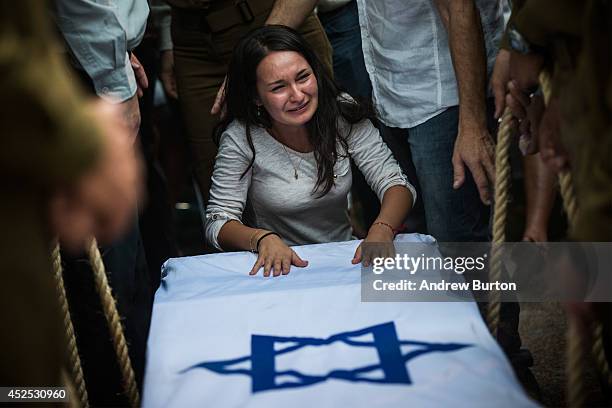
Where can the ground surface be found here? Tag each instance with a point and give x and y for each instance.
(543, 329)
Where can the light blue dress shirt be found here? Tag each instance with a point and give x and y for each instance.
(100, 33)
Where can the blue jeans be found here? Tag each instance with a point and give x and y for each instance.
(342, 29)
(451, 215)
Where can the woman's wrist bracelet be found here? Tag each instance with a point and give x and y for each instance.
(251, 240)
(393, 230)
(262, 237)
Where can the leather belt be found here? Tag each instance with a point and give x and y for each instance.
(221, 16)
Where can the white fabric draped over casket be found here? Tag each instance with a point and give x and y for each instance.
(222, 338)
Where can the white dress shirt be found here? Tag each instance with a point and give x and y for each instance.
(407, 56)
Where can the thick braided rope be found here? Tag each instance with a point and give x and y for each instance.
(502, 188)
(576, 342)
(112, 317)
(70, 390)
(566, 187)
(575, 364)
(74, 361)
(599, 353)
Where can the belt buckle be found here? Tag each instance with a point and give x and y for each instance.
(245, 10)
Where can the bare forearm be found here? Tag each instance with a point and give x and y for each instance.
(291, 13)
(539, 191)
(236, 236)
(396, 204)
(466, 41)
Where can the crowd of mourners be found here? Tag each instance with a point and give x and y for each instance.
(300, 121)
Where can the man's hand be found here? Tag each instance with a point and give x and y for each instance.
(473, 146)
(475, 149)
(499, 80)
(524, 72)
(219, 105)
(141, 76)
(102, 202)
(166, 73)
(525, 69)
(527, 111)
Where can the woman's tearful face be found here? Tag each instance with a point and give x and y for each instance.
(287, 88)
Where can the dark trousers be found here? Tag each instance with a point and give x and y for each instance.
(453, 215)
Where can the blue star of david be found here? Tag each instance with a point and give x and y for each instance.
(392, 362)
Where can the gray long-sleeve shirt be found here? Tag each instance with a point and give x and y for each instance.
(270, 197)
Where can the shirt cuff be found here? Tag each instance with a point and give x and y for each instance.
(215, 220)
(117, 86)
(398, 179)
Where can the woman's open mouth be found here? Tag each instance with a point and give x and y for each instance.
(299, 108)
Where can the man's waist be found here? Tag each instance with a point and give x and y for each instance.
(217, 15)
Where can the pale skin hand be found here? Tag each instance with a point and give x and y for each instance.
(474, 146)
(276, 257)
(291, 13)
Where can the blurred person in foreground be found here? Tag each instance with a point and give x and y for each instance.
(574, 131)
(67, 169)
(100, 39)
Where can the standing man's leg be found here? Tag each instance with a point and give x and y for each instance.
(455, 215)
(342, 28)
(343, 31)
(452, 215)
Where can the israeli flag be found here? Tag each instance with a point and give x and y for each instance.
(222, 338)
